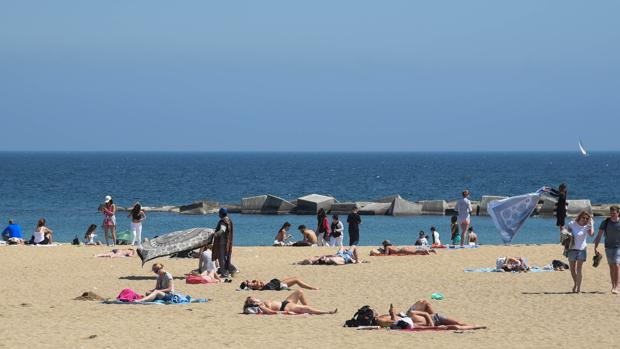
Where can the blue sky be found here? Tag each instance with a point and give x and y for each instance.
(311, 76)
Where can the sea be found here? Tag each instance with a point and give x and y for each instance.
(67, 187)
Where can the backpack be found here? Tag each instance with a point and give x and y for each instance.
(75, 241)
(365, 316)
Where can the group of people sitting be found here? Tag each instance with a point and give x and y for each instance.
(42, 235)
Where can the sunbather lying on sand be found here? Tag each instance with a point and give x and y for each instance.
(389, 249)
(275, 284)
(295, 303)
(117, 253)
(422, 315)
(343, 256)
(512, 264)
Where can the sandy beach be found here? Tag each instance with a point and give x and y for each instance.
(527, 310)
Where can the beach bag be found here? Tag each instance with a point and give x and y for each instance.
(365, 316)
(75, 241)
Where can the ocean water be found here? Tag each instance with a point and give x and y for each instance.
(66, 188)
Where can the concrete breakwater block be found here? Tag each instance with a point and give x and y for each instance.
(573, 208)
(402, 207)
(485, 201)
(311, 204)
(199, 207)
(434, 207)
(375, 209)
(266, 204)
(343, 208)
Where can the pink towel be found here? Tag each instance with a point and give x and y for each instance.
(128, 295)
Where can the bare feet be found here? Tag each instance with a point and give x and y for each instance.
(614, 291)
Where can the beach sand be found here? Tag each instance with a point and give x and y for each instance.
(38, 286)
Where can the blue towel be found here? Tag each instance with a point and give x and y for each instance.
(533, 269)
(185, 300)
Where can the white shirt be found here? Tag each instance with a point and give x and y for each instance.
(579, 234)
(436, 237)
(207, 261)
(463, 207)
(39, 236)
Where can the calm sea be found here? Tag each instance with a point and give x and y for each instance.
(66, 188)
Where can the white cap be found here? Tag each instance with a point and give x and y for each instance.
(108, 198)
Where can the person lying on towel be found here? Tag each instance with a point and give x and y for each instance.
(422, 315)
(343, 256)
(389, 249)
(275, 284)
(516, 264)
(295, 303)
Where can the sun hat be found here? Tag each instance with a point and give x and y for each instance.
(108, 198)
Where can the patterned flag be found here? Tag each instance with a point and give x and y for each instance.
(509, 214)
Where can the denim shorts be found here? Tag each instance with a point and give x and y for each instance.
(577, 255)
(613, 255)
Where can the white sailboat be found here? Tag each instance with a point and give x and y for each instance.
(582, 149)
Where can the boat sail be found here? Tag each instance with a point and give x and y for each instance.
(582, 149)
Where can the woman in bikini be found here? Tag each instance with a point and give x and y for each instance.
(295, 303)
(109, 220)
(389, 249)
(275, 284)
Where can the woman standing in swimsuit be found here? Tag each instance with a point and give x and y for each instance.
(109, 219)
(137, 217)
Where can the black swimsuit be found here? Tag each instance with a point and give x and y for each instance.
(284, 304)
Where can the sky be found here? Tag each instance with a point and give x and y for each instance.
(309, 76)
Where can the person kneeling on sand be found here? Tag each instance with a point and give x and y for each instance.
(512, 264)
(207, 267)
(275, 284)
(116, 253)
(343, 256)
(295, 303)
(389, 249)
(422, 315)
(164, 287)
(309, 235)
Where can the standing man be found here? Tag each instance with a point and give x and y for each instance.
(223, 242)
(611, 228)
(354, 220)
(463, 207)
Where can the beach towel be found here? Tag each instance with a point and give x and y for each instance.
(533, 269)
(197, 280)
(509, 214)
(158, 302)
(397, 255)
(174, 242)
(459, 247)
(128, 295)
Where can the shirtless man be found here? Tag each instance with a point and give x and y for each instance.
(389, 249)
(309, 237)
(423, 315)
(275, 284)
(343, 256)
(295, 303)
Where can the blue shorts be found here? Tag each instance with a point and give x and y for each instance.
(577, 255)
(346, 255)
(613, 255)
